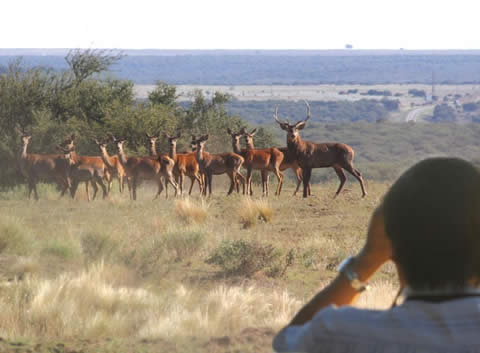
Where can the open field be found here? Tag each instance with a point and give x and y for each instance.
(177, 275)
(315, 92)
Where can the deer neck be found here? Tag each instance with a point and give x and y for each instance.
(153, 149)
(121, 154)
(107, 159)
(172, 152)
(295, 143)
(23, 151)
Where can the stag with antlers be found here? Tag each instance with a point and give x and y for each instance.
(215, 164)
(145, 168)
(319, 155)
(265, 160)
(289, 160)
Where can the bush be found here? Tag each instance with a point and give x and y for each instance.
(14, 238)
(245, 258)
(185, 244)
(470, 107)
(60, 248)
(417, 92)
(96, 246)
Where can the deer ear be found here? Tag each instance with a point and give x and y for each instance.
(300, 125)
(96, 141)
(229, 131)
(254, 131)
(179, 135)
(72, 137)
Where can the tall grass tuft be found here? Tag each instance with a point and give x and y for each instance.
(252, 211)
(191, 212)
(184, 243)
(15, 238)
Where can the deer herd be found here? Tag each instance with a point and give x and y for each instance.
(68, 169)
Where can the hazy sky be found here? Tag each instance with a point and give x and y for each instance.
(247, 24)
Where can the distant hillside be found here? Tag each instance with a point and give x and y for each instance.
(255, 67)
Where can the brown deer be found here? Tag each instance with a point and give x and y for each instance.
(185, 164)
(84, 170)
(265, 160)
(319, 155)
(145, 168)
(96, 162)
(113, 164)
(216, 164)
(152, 139)
(36, 167)
(289, 160)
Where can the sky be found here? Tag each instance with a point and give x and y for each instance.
(246, 24)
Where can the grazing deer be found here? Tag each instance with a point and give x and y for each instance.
(319, 155)
(185, 164)
(265, 160)
(35, 167)
(113, 164)
(145, 168)
(216, 164)
(96, 162)
(84, 170)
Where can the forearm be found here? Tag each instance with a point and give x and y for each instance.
(339, 292)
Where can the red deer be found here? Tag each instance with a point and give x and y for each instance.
(289, 160)
(319, 155)
(185, 164)
(36, 167)
(113, 164)
(215, 164)
(145, 168)
(265, 160)
(82, 170)
(96, 162)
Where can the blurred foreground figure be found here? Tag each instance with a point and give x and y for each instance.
(429, 226)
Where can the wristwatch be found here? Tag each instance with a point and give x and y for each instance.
(346, 268)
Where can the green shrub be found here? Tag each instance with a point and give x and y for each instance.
(245, 258)
(96, 246)
(59, 248)
(14, 237)
(185, 244)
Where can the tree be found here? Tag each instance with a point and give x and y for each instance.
(443, 113)
(163, 94)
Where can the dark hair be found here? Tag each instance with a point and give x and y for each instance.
(432, 217)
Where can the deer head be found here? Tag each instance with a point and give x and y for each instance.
(193, 143)
(172, 140)
(235, 135)
(292, 129)
(201, 141)
(248, 136)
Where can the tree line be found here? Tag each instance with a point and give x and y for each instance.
(87, 100)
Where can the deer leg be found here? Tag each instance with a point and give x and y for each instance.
(182, 180)
(73, 189)
(160, 188)
(102, 185)
(341, 176)
(298, 174)
(249, 181)
(264, 175)
(209, 177)
(134, 188)
(349, 168)
(95, 187)
(170, 179)
(307, 173)
(231, 175)
(243, 180)
(279, 175)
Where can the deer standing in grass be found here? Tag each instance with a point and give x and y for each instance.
(265, 160)
(289, 160)
(145, 168)
(215, 164)
(82, 170)
(36, 167)
(319, 155)
(185, 164)
(113, 164)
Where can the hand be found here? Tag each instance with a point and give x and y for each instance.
(378, 248)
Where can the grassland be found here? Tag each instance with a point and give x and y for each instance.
(177, 275)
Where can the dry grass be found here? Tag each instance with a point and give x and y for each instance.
(252, 211)
(190, 211)
(117, 268)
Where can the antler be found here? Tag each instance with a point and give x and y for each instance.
(308, 111)
(275, 116)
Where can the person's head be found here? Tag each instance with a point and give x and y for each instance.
(432, 217)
